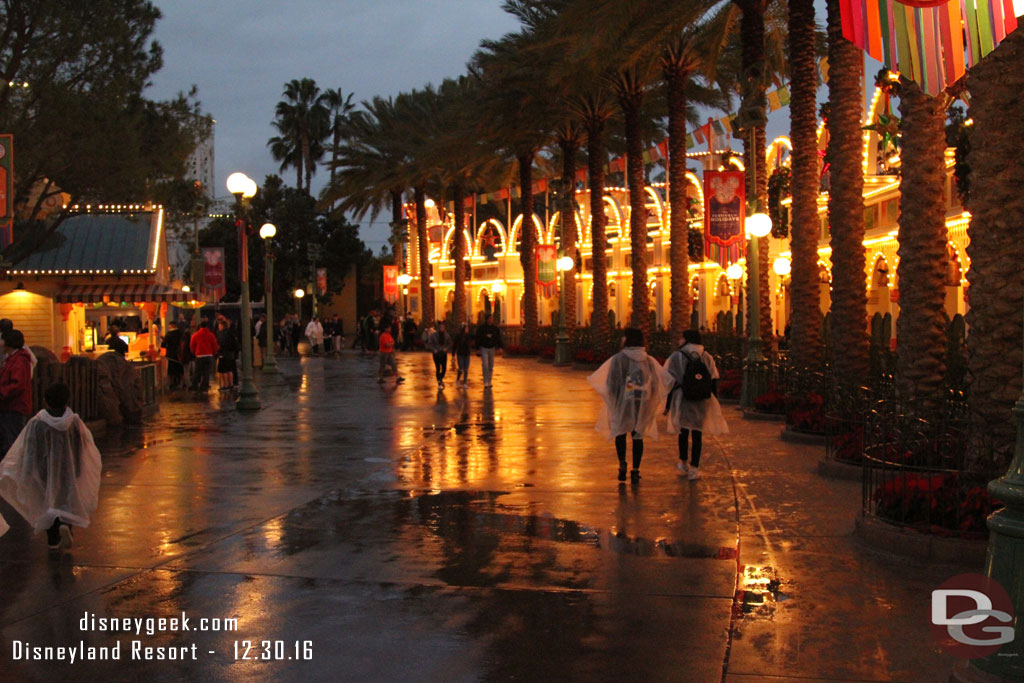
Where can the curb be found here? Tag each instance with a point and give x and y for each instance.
(764, 417)
(892, 539)
(835, 469)
(793, 436)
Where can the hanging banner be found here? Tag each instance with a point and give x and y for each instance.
(6, 190)
(391, 284)
(724, 211)
(213, 272)
(321, 281)
(547, 255)
(435, 233)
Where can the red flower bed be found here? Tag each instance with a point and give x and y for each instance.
(806, 413)
(730, 384)
(547, 352)
(772, 402)
(935, 503)
(518, 350)
(849, 447)
(590, 356)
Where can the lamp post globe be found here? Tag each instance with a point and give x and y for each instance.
(244, 188)
(268, 230)
(782, 266)
(734, 272)
(758, 225)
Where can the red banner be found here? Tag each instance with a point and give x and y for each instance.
(724, 208)
(321, 281)
(391, 283)
(6, 190)
(213, 274)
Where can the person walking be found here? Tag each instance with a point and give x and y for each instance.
(227, 364)
(409, 332)
(387, 357)
(7, 324)
(315, 335)
(204, 347)
(337, 335)
(172, 345)
(439, 343)
(633, 386)
(461, 348)
(692, 406)
(488, 340)
(51, 475)
(294, 335)
(15, 387)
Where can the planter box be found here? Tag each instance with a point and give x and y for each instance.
(890, 538)
(794, 436)
(837, 469)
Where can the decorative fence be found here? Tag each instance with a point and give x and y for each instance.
(80, 374)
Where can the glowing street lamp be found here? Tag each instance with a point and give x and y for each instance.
(756, 225)
(782, 266)
(734, 272)
(267, 232)
(562, 357)
(244, 189)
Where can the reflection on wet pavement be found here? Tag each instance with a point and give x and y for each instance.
(457, 535)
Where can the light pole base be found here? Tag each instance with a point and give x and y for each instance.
(248, 397)
(270, 366)
(563, 354)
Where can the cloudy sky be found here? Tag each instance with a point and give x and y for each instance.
(240, 54)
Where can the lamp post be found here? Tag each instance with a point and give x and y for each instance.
(298, 294)
(403, 281)
(562, 357)
(757, 225)
(244, 189)
(267, 232)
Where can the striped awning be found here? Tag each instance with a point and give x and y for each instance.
(91, 294)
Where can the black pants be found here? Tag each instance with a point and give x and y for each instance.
(638, 450)
(440, 365)
(698, 441)
(201, 380)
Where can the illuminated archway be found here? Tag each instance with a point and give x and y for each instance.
(491, 240)
(515, 239)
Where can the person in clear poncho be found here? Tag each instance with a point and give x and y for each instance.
(633, 386)
(51, 475)
(691, 419)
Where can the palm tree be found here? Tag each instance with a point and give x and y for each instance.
(302, 118)
(846, 207)
(921, 325)
(996, 252)
(803, 113)
(283, 149)
(339, 108)
(569, 136)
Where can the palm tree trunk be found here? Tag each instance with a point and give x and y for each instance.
(307, 160)
(426, 291)
(921, 326)
(630, 102)
(527, 256)
(678, 201)
(596, 158)
(396, 217)
(805, 349)
(846, 207)
(459, 309)
(996, 251)
(567, 209)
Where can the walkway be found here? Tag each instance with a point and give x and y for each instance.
(459, 536)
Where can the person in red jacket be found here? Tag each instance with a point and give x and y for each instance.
(15, 387)
(204, 347)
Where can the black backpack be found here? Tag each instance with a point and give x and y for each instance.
(696, 379)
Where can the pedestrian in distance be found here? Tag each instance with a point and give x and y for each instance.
(488, 340)
(115, 343)
(315, 335)
(692, 406)
(439, 343)
(172, 345)
(15, 387)
(633, 386)
(387, 357)
(227, 364)
(51, 475)
(461, 349)
(6, 324)
(204, 347)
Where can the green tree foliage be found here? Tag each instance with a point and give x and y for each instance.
(72, 77)
(298, 224)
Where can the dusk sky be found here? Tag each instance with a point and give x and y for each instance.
(240, 54)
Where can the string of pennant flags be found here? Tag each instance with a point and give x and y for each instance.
(721, 127)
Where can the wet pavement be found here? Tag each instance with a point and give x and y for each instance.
(366, 532)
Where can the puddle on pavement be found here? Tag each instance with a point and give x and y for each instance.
(759, 593)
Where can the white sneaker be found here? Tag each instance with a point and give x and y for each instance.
(683, 467)
(694, 473)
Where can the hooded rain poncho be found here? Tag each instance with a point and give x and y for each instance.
(52, 470)
(633, 387)
(704, 416)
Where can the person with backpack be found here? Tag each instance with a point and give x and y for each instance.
(633, 386)
(692, 406)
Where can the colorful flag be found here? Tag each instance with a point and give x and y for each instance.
(724, 210)
(547, 255)
(213, 272)
(390, 283)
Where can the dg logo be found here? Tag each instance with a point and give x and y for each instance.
(971, 616)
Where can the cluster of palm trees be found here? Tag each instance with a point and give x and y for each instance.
(582, 75)
(310, 124)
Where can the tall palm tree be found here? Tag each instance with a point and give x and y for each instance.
(803, 116)
(569, 136)
(846, 207)
(996, 251)
(339, 108)
(302, 118)
(921, 325)
(284, 149)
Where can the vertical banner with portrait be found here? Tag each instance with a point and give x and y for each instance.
(391, 284)
(213, 272)
(321, 281)
(6, 190)
(724, 213)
